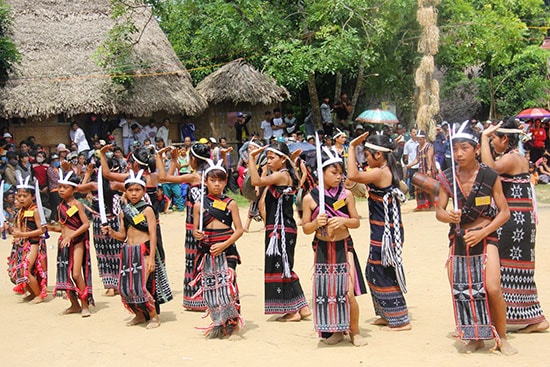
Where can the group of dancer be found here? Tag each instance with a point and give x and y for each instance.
(491, 259)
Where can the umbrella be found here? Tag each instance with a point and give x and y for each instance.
(533, 113)
(377, 116)
(300, 145)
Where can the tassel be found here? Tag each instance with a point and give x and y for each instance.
(286, 266)
(272, 248)
(387, 251)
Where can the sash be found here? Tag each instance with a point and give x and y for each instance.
(217, 208)
(335, 204)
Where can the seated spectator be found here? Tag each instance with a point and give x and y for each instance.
(544, 169)
(161, 202)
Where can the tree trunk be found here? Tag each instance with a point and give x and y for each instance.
(337, 87)
(358, 87)
(314, 99)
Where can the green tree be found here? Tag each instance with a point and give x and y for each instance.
(8, 52)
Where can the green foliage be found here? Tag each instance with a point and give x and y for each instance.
(116, 54)
(9, 56)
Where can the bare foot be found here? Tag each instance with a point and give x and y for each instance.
(535, 328)
(305, 312)
(358, 340)
(290, 317)
(36, 300)
(334, 339)
(86, 312)
(399, 328)
(136, 320)
(110, 292)
(379, 321)
(153, 323)
(72, 309)
(29, 298)
(506, 348)
(472, 346)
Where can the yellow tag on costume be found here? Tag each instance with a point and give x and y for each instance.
(138, 218)
(72, 210)
(483, 200)
(28, 213)
(339, 204)
(220, 205)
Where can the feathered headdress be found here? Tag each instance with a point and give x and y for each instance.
(135, 178)
(333, 157)
(64, 180)
(23, 184)
(462, 133)
(214, 166)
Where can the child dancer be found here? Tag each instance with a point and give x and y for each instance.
(516, 245)
(31, 271)
(336, 276)
(199, 153)
(143, 284)
(283, 292)
(218, 254)
(385, 275)
(474, 264)
(74, 268)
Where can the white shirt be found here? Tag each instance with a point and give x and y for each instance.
(278, 121)
(268, 131)
(79, 138)
(150, 132)
(410, 151)
(163, 133)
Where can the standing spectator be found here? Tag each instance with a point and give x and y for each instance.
(150, 130)
(172, 189)
(277, 123)
(119, 156)
(159, 144)
(187, 130)
(426, 166)
(39, 170)
(79, 138)
(309, 126)
(409, 155)
(440, 147)
(326, 117)
(241, 130)
(266, 127)
(53, 185)
(342, 109)
(9, 171)
(24, 167)
(125, 123)
(164, 131)
(538, 142)
(137, 135)
(290, 122)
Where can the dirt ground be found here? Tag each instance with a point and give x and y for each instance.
(34, 335)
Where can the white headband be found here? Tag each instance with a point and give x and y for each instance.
(340, 132)
(278, 152)
(253, 142)
(377, 147)
(197, 156)
(461, 134)
(213, 167)
(23, 184)
(509, 131)
(64, 180)
(332, 158)
(135, 178)
(139, 162)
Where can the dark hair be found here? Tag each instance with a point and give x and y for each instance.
(144, 156)
(74, 179)
(217, 173)
(203, 152)
(386, 142)
(513, 139)
(283, 148)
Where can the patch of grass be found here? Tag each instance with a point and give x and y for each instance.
(543, 193)
(242, 202)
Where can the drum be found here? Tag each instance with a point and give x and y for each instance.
(426, 183)
(358, 190)
(248, 190)
(403, 187)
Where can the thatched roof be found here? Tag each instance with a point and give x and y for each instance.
(239, 82)
(58, 74)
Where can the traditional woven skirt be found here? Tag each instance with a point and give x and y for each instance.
(20, 269)
(470, 302)
(65, 262)
(387, 297)
(108, 252)
(192, 297)
(136, 289)
(282, 294)
(331, 282)
(517, 253)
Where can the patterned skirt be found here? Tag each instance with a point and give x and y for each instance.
(65, 262)
(19, 267)
(108, 252)
(331, 283)
(470, 302)
(387, 297)
(192, 298)
(282, 294)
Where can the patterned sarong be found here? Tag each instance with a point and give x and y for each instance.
(135, 287)
(331, 308)
(470, 302)
(19, 267)
(108, 251)
(517, 253)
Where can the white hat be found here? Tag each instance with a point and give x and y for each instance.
(212, 140)
(7, 135)
(359, 127)
(61, 148)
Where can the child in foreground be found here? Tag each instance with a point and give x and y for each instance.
(336, 279)
(74, 267)
(218, 256)
(142, 282)
(474, 264)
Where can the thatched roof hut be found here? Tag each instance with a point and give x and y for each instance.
(237, 86)
(58, 73)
